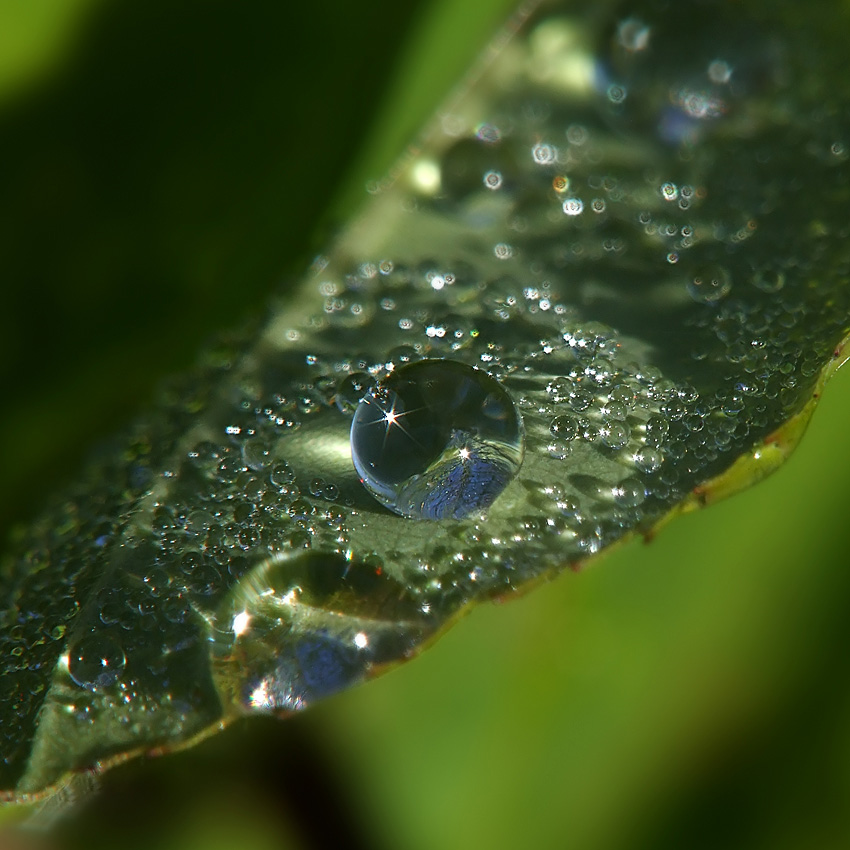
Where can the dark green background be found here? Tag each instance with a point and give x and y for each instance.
(166, 167)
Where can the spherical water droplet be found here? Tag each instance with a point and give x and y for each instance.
(613, 410)
(769, 280)
(622, 394)
(282, 475)
(615, 434)
(559, 389)
(580, 398)
(255, 453)
(468, 163)
(559, 449)
(96, 661)
(351, 389)
(648, 459)
(710, 284)
(564, 427)
(629, 493)
(437, 439)
(656, 430)
(400, 356)
(544, 154)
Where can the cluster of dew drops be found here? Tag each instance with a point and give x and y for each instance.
(551, 180)
(509, 314)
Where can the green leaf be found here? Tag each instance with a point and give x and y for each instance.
(616, 228)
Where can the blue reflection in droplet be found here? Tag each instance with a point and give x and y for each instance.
(437, 440)
(326, 665)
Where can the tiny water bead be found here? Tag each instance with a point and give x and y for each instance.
(437, 439)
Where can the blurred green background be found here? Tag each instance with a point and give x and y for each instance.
(167, 165)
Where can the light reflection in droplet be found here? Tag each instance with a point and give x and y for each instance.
(438, 439)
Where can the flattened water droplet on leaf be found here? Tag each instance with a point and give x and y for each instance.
(302, 626)
(709, 284)
(437, 439)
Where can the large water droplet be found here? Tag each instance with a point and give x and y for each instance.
(303, 625)
(437, 440)
(96, 661)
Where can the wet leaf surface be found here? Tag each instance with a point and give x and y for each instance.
(637, 239)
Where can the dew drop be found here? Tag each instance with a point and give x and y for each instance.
(648, 459)
(544, 154)
(710, 284)
(559, 389)
(282, 475)
(615, 435)
(613, 410)
(96, 661)
(350, 390)
(656, 430)
(559, 449)
(629, 493)
(624, 395)
(564, 427)
(255, 453)
(769, 280)
(580, 398)
(437, 439)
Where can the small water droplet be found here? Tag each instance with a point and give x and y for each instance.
(437, 439)
(580, 398)
(544, 154)
(613, 410)
(564, 427)
(615, 434)
(282, 475)
(255, 453)
(648, 459)
(769, 280)
(656, 430)
(350, 390)
(493, 180)
(629, 493)
(710, 284)
(559, 449)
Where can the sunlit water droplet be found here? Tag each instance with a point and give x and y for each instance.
(437, 440)
(96, 661)
(564, 427)
(615, 435)
(648, 459)
(629, 493)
